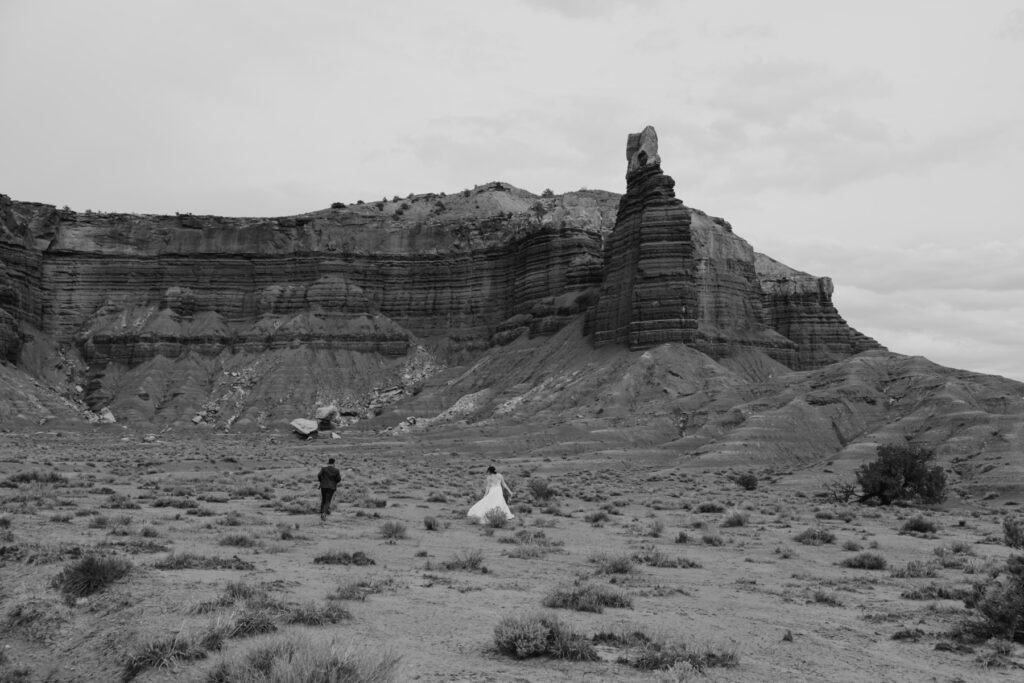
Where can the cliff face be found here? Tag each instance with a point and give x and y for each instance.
(674, 274)
(179, 318)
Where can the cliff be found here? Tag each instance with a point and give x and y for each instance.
(250, 321)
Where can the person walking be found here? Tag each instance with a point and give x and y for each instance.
(329, 478)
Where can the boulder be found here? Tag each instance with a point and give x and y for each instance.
(303, 426)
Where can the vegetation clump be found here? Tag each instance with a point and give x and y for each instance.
(300, 659)
(540, 635)
(90, 574)
(587, 598)
(815, 536)
(901, 472)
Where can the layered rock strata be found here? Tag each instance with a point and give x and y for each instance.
(674, 274)
(182, 315)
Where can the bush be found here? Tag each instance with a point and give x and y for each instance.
(1013, 531)
(161, 653)
(613, 564)
(430, 523)
(392, 530)
(919, 525)
(311, 614)
(901, 472)
(495, 518)
(537, 635)
(865, 561)
(710, 508)
(916, 569)
(90, 574)
(1001, 602)
(186, 560)
(646, 653)
(302, 659)
(747, 480)
(839, 491)
(467, 560)
(357, 558)
(815, 536)
(736, 518)
(587, 598)
(540, 489)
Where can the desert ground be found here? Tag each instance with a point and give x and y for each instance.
(222, 553)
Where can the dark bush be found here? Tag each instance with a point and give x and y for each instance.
(901, 472)
(1000, 602)
(747, 480)
(919, 525)
(90, 574)
(865, 561)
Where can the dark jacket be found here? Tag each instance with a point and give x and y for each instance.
(329, 477)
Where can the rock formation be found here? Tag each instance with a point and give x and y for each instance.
(674, 274)
(236, 321)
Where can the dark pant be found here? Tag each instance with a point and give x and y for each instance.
(325, 501)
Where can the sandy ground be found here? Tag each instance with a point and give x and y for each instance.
(787, 610)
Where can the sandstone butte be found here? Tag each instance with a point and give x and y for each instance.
(627, 313)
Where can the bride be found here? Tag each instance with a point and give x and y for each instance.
(494, 498)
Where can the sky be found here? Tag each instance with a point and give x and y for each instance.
(879, 143)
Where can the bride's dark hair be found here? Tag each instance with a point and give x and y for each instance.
(491, 470)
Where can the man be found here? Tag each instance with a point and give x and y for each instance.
(329, 477)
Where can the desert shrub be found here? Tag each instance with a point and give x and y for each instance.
(540, 489)
(815, 536)
(430, 523)
(865, 561)
(647, 653)
(392, 530)
(162, 653)
(852, 546)
(495, 518)
(1000, 601)
(936, 592)
(712, 539)
(175, 502)
(531, 544)
(612, 564)
(747, 480)
(654, 557)
(253, 621)
(839, 491)
(736, 518)
(436, 497)
(1013, 531)
(901, 472)
(357, 558)
(916, 569)
(587, 598)
(919, 525)
(120, 501)
(90, 574)
(596, 518)
(337, 205)
(302, 659)
(538, 635)
(186, 560)
(311, 614)
(826, 598)
(682, 537)
(369, 501)
(709, 507)
(466, 560)
(238, 540)
(656, 528)
(35, 476)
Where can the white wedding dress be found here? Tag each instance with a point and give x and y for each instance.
(494, 498)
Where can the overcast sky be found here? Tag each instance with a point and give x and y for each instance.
(879, 142)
